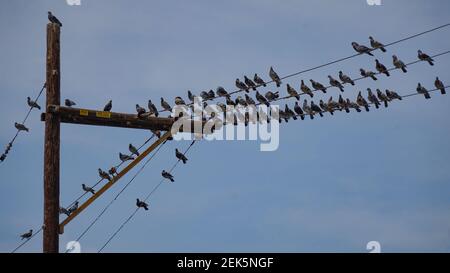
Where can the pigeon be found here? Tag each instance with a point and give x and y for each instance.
(124, 158)
(308, 109)
(274, 76)
(180, 156)
(190, 96)
(69, 103)
(282, 116)
(289, 112)
(376, 45)
(318, 86)
(424, 57)
(152, 108)
(52, 18)
(298, 110)
(167, 176)
(141, 204)
(157, 133)
(103, 174)
(422, 90)
(325, 107)
(249, 100)
(392, 95)
(133, 149)
(165, 105)
(204, 95)
(250, 83)
(140, 110)
(2, 157)
(333, 105)
(361, 101)
(258, 80)
(270, 96)
(353, 105)
(336, 83)
(27, 235)
(32, 103)
(372, 98)
(305, 89)
(361, 48)
(221, 92)
(439, 85)
(343, 104)
(87, 189)
(113, 171)
(399, 64)
(382, 97)
(64, 211)
(381, 68)
(73, 208)
(179, 101)
(241, 101)
(108, 106)
(367, 73)
(20, 127)
(241, 86)
(211, 95)
(316, 108)
(345, 79)
(291, 91)
(229, 101)
(261, 99)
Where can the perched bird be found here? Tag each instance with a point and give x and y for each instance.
(241, 86)
(124, 158)
(221, 92)
(325, 107)
(361, 101)
(140, 110)
(27, 235)
(399, 64)
(64, 211)
(157, 133)
(376, 45)
(372, 98)
(336, 83)
(229, 101)
(298, 110)
(180, 156)
(333, 105)
(305, 89)
(368, 73)
(190, 96)
(439, 85)
(291, 91)
(32, 103)
(167, 176)
(270, 96)
(108, 106)
(179, 101)
(152, 108)
(20, 127)
(52, 18)
(361, 48)
(283, 116)
(318, 86)
(249, 100)
(353, 105)
(69, 103)
(133, 149)
(113, 171)
(422, 90)
(104, 175)
(141, 204)
(73, 208)
(424, 57)
(382, 97)
(165, 105)
(316, 108)
(239, 100)
(307, 109)
(343, 104)
(87, 189)
(250, 83)
(381, 68)
(274, 76)
(258, 80)
(204, 95)
(211, 95)
(345, 79)
(289, 112)
(392, 95)
(261, 99)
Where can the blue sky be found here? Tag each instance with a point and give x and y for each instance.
(333, 185)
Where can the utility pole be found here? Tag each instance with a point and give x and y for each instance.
(51, 146)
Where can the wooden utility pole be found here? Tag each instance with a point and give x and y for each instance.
(51, 149)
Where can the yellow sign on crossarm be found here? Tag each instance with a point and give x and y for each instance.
(103, 114)
(84, 112)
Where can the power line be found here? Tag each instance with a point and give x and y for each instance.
(29, 239)
(145, 200)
